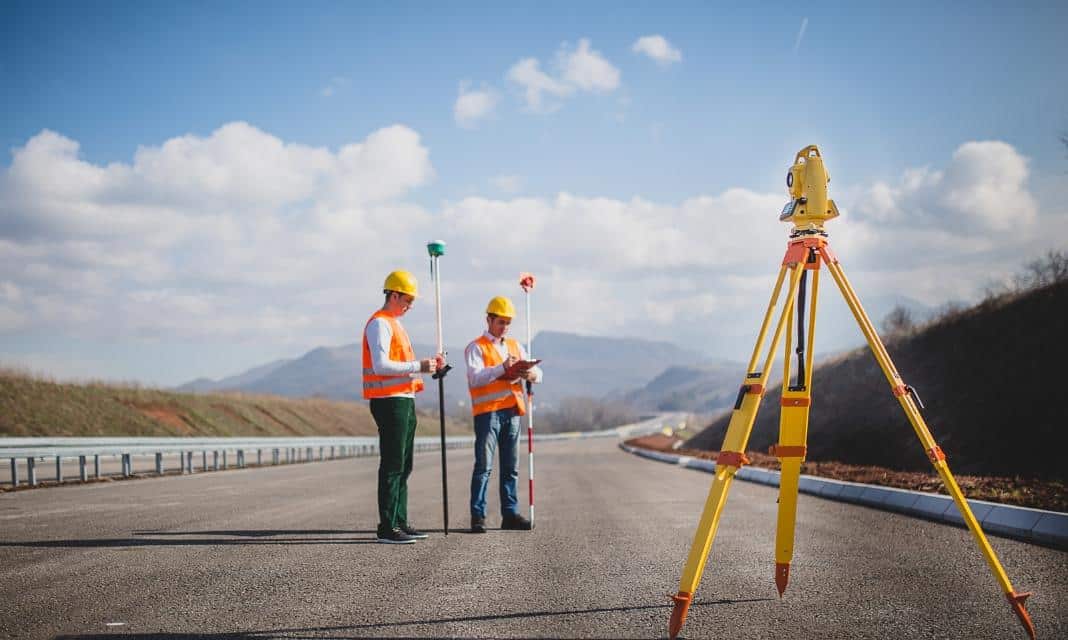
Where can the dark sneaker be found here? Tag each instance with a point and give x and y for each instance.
(516, 522)
(396, 537)
(413, 533)
(478, 525)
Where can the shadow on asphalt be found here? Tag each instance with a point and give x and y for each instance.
(337, 632)
(264, 533)
(259, 533)
(149, 542)
(252, 537)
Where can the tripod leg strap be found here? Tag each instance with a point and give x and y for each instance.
(732, 459)
(781, 451)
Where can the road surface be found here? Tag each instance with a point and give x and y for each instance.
(288, 552)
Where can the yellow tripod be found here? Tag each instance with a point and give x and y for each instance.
(807, 250)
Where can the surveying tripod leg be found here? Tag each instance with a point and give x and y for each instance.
(906, 395)
(732, 453)
(793, 429)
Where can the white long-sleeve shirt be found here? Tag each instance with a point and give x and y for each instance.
(379, 336)
(478, 374)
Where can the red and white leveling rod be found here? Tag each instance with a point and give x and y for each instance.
(526, 281)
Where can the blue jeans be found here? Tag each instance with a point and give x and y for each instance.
(493, 430)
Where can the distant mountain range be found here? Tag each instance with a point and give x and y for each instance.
(643, 374)
(703, 388)
(574, 365)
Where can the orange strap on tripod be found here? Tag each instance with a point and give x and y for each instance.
(781, 451)
(732, 459)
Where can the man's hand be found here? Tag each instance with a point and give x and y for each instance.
(528, 375)
(428, 365)
(511, 371)
(440, 360)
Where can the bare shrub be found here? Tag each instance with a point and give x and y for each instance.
(899, 322)
(1044, 271)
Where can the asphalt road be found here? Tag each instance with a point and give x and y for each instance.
(288, 552)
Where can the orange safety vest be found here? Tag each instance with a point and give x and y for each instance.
(499, 394)
(400, 350)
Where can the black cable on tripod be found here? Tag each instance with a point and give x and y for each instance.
(800, 351)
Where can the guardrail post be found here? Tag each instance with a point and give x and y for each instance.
(59, 470)
(321, 454)
(31, 471)
(127, 465)
(259, 457)
(224, 458)
(159, 464)
(309, 455)
(96, 466)
(14, 473)
(189, 461)
(215, 461)
(241, 458)
(203, 460)
(274, 456)
(83, 473)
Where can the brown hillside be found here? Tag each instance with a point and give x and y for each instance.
(990, 377)
(31, 406)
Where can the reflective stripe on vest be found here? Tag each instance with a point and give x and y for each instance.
(499, 394)
(400, 350)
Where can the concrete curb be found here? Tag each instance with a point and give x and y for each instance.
(1037, 526)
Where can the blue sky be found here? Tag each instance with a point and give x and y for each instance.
(629, 157)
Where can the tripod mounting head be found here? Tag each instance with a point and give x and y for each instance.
(807, 182)
(435, 248)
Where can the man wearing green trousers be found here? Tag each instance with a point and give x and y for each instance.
(390, 381)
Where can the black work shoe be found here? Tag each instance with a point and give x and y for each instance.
(413, 533)
(478, 525)
(516, 522)
(396, 536)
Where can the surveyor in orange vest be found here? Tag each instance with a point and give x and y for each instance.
(496, 367)
(390, 381)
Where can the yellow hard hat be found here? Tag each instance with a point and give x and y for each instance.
(402, 282)
(501, 306)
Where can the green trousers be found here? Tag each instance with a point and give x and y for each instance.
(395, 418)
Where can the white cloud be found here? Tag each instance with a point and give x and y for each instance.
(527, 73)
(474, 105)
(224, 226)
(983, 189)
(587, 69)
(283, 244)
(658, 48)
(579, 69)
(507, 183)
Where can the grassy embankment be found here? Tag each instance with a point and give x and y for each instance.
(33, 406)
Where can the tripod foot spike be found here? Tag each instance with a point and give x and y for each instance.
(1016, 601)
(678, 614)
(782, 576)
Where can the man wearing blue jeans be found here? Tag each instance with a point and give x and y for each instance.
(496, 369)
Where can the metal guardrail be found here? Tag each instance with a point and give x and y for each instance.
(88, 451)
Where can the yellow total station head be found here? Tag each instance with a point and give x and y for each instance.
(807, 182)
